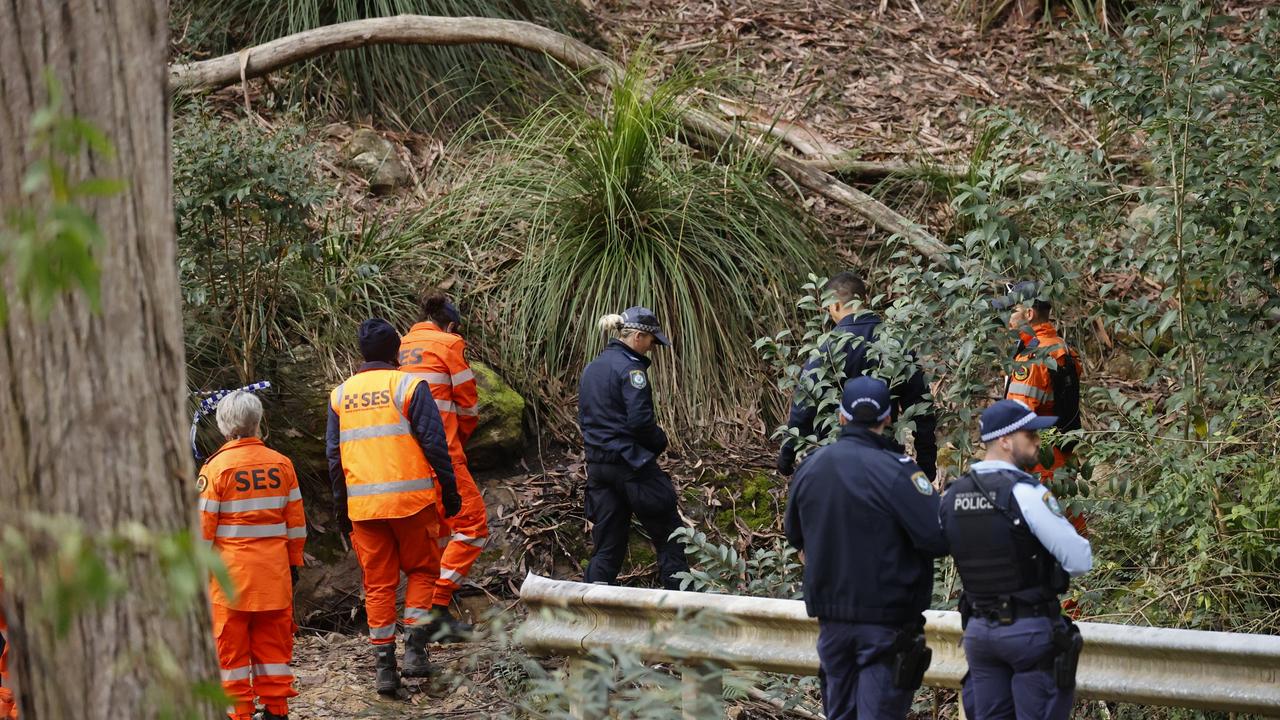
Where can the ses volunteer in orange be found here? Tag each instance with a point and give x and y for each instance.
(434, 351)
(389, 464)
(251, 513)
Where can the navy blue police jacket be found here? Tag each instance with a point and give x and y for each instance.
(615, 409)
(904, 395)
(866, 518)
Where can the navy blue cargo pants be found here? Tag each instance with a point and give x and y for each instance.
(614, 494)
(1006, 679)
(856, 672)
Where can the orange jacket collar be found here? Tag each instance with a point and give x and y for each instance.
(1043, 331)
(429, 325)
(240, 442)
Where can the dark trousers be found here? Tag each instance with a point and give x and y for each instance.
(614, 494)
(1005, 675)
(855, 671)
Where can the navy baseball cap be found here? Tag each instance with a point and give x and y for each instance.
(1009, 416)
(451, 311)
(642, 318)
(865, 400)
(378, 340)
(1018, 293)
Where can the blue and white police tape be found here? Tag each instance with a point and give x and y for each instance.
(207, 405)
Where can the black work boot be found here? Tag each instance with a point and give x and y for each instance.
(388, 677)
(265, 714)
(445, 628)
(416, 663)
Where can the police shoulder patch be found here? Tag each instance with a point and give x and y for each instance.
(1051, 502)
(202, 482)
(921, 481)
(638, 379)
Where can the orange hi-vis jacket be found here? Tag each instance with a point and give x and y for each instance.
(386, 473)
(438, 357)
(251, 511)
(1031, 383)
(8, 704)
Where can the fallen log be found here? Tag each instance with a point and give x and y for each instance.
(427, 30)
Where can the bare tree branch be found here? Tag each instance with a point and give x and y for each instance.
(423, 30)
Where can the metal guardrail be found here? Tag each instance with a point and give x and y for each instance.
(1231, 672)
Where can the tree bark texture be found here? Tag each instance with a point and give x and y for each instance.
(91, 407)
(418, 29)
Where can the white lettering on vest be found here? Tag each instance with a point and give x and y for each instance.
(972, 501)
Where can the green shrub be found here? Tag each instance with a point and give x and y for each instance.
(582, 214)
(245, 202)
(1158, 250)
(274, 283)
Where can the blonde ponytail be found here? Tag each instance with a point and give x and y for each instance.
(610, 323)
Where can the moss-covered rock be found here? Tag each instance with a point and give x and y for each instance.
(499, 438)
(754, 505)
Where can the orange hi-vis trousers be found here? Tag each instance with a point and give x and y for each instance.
(465, 536)
(1046, 475)
(1077, 519)
(387, 548)
(8, 703)
(254, 650)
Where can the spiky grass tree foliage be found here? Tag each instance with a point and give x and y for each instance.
(414, 86)
(585, 213)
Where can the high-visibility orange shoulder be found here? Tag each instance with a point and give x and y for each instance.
(1031, 382)
(387, 474)
(251, 513)
(439, 358)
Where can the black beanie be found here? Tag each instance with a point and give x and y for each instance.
(379, 341)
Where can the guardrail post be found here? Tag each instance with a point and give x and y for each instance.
(701, 693)
(589, 693)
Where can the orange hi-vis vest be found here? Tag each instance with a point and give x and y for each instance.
(438, 357)
(251, 513)
(1031, 383)
(386, 473)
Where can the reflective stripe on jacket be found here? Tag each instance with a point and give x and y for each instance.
(386, 473)
(1032, 382)
(251, 512)
(438, 358)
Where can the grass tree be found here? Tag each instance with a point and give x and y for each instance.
(585, 212)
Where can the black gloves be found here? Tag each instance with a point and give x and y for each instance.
(452, 502)
(786, 461)
(344, 524)
(293, 575)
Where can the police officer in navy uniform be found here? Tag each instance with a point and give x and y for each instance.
(622, 440)
(854, 333)
(865, 517)
(1015, 553)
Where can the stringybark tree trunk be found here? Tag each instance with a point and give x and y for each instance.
(91, 402)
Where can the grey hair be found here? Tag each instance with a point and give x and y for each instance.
(239, 415)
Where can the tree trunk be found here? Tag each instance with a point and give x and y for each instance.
(91, 409)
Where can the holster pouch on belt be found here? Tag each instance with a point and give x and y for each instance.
(1063, 660)
(966, 611)
(1064, 666)
(911, 658)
